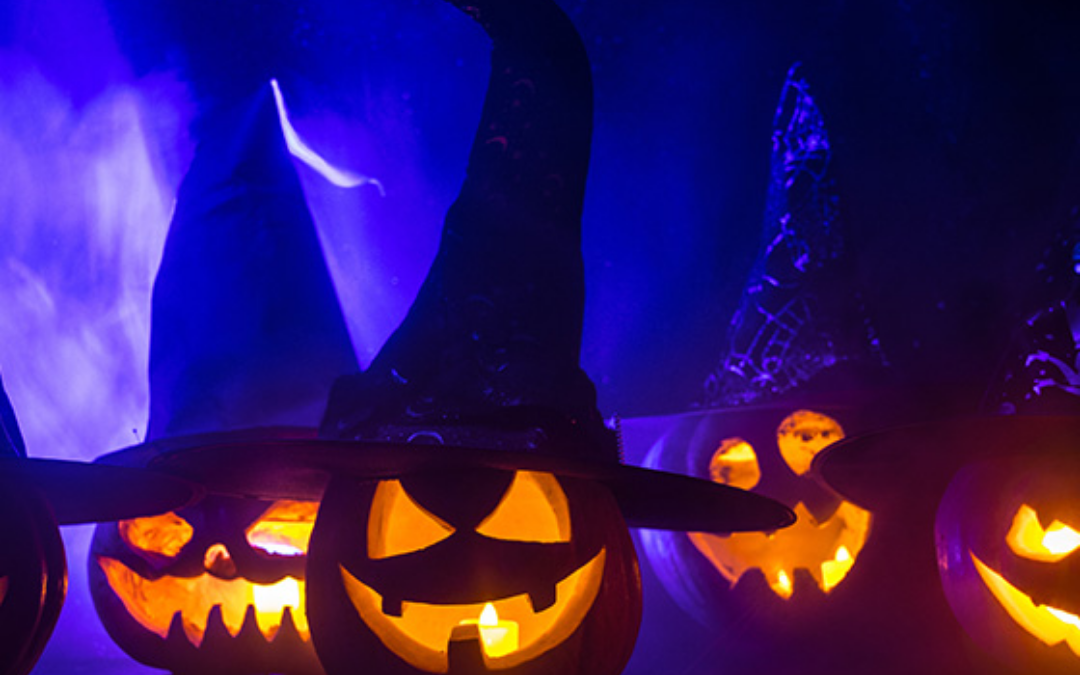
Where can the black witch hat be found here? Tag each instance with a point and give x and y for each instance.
(86, 493)
(484, 369)
(246, 331)
(1032, 407)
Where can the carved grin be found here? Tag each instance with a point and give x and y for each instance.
(420, 635)
(1049, 624)
(198, 602)
(827, 550)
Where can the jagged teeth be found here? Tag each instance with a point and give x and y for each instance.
(215, 629)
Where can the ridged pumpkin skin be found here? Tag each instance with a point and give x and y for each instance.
(985, 508)
(467, 568)
(33, 570)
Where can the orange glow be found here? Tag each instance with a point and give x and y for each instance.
(833, 571)
(1049, 624)
(284, 528)
(803, 434)
(735, 463)
(420, 636)
(498, 637)
(398, 525)
(826, 550)
(163, 535)
(153, 603)
(1028, 539)
(534, 508)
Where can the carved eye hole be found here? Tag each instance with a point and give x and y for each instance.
(736, 464)
(398, 525)
(283, 529)
(160, 536)
(1028, 539)
(534, 508)
(803, 434)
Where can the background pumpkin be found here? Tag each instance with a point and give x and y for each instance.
(216, 587)
(34, 573)
(766, 571)
(470, 568)
(1006, 531)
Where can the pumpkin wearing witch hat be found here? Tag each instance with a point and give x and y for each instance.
(801, 368)
(477, 516)
(246, 338)
(35, 496)
(999, 499)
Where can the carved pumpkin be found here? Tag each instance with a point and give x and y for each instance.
(1007, 532)
(33, 576)
(767, 451)
(218, 586)
(473, 570)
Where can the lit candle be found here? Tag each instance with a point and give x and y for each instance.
(499, 636)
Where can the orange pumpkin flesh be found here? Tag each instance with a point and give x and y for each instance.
(218, 586)
(1007, 534)
(520, 572)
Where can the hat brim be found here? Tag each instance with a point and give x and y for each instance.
(885, 467)
(88, 493)
(301, 469)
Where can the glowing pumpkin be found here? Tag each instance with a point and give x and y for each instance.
(33, 576)
(1007, 534)
(470, 571)
(767, 451)
(217, 586)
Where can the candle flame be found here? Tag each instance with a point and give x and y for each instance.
(489, 618)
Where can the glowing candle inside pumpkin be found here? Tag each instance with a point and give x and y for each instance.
(500, 636)
(833, 571)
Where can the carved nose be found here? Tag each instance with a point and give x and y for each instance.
(219, 563)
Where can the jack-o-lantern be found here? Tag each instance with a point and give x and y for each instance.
(473, 570)
(767, 451)
(1007, 534)
(33, 576)
(218, 586)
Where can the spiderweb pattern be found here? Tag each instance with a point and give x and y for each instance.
(1041, 372)
(779, 337)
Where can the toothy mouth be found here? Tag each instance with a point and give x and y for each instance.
(420, 633)
(827, 550)
(195, 604)
(1048, 624)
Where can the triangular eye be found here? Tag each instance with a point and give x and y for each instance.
(1028, 539)
(534, 509)
(284, 528)
(162, 535)
(398, 525)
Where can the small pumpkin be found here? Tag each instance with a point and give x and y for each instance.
(768, 451)
(216, 587)
(1007, 533)
(473, 570)
(33, 576)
